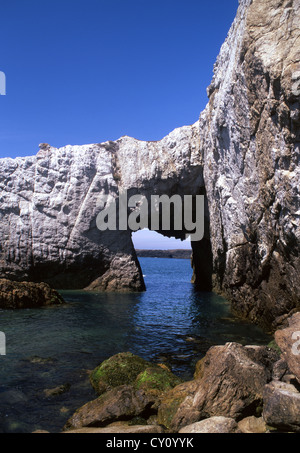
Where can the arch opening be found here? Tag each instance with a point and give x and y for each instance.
(149, 243)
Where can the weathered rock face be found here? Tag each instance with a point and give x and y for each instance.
(282, 406)
(230, 384)
(243, 154)
(250, 139)
(121, 403)
(49, 205)
(288, 340)
(216, 425)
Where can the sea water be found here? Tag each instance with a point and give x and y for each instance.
(56, 347)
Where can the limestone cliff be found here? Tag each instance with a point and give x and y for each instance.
(49, 205)
(250, 142)
(243, 153)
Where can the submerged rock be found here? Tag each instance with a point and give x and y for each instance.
(56, 391)
(27, 295)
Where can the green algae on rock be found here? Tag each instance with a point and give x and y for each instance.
(157, 378)
(120, 369)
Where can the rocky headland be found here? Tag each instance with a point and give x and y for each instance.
(176, 254)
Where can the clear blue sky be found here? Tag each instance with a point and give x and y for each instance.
(87, 71)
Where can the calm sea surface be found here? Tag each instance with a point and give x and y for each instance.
(54, 347)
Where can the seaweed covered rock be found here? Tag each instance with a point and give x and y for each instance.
(176, 408)
(27, 295)
(120, 369)
(156, 378)
(128, 387)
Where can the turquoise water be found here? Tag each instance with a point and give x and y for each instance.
(56, 346)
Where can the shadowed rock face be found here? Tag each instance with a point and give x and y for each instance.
(27, 295)
(243, 154)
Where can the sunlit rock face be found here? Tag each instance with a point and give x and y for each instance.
(243, 153)
(49, 206)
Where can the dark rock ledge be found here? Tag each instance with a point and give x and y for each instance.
(236, 389)
(27, 295)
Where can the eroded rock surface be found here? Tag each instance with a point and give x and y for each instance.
(250, 138)
(288, 340)
(282, 406)
(215, 425)
(121, 403)
(49, 204)
(229, 383)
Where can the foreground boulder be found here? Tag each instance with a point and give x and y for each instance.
(129, 387)
(282, 406)
(119, 428)
(216, 425)
(288, 340)
(121, 403)
(252, 425)
(156, 380)
(238, 389)
(27, 295)
(230, 383)
(120, 369)
(127, 368)
(176, 408)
